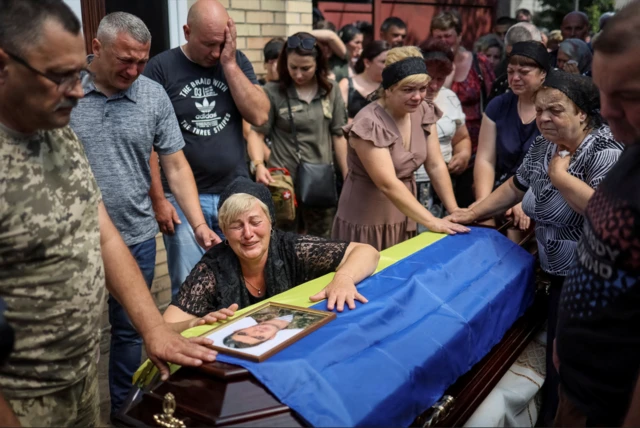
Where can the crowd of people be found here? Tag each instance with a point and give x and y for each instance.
(378, 140)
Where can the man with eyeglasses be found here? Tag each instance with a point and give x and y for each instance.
(121, 119)
(212, 87)
(58, 246)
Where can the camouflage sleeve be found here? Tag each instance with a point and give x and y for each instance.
(197, 293)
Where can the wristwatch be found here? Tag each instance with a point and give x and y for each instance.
(254, 165)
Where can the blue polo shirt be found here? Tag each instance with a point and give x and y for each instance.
(118, 133)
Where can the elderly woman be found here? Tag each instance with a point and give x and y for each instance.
(509, 126)
(574, 56)
(389, 139)
(257, 261)
(555, 181)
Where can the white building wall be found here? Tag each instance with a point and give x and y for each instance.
(178, 10)
(76, 7)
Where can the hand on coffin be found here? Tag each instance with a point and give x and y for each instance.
(445, 225)
(341, 289)
(462, 216)
(214, 317)
(520, 219)
(164, 346)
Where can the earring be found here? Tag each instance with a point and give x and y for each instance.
(226, 242)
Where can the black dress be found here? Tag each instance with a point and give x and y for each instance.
(216, 282)
(356, 101)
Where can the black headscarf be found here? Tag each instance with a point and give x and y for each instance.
(579, 89)
(244, 185)
(534, 50)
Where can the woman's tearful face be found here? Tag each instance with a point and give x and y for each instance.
(249, 234)
(557, 117)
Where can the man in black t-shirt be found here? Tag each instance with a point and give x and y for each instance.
(598, 333)
(212, 87)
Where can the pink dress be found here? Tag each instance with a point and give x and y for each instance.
(365, 214)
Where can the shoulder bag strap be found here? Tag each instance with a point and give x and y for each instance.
(293, 129)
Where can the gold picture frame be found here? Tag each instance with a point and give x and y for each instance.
(266, 330)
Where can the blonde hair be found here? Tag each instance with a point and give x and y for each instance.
(236, 205)
(398, 54)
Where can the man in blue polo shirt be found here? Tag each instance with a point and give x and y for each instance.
(121, 119)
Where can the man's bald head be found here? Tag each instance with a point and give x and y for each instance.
(575, 25)
(205, 32)
(207, 13)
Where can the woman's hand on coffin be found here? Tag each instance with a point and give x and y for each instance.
(520, 219)
(214, 317)
(462, 216)
(164, 346)
(445, 225)
(341, 289)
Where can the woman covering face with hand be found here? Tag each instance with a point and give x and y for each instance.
(556, 180)
(257, 261)
(388, 141)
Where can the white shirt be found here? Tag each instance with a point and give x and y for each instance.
(452, 119)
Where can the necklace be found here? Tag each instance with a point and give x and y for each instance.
(307, 95)
(253, 286)
(520, 113)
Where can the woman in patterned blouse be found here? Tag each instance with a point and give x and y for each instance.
(257, 261)
(557, 178)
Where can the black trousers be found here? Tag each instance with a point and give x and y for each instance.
(552, 380)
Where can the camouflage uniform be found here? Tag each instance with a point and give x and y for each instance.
(51, 277)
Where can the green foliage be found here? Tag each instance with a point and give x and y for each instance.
(555, 10)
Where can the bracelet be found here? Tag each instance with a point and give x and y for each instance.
(344, 274)
(194, 229)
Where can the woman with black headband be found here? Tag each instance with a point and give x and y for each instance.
(509, 125)
(305, 124)
(388, 141)
(555, 181)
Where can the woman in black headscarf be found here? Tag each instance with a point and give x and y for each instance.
(557, 178)
(257, 261)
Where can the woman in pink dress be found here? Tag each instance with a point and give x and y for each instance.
(388, 141)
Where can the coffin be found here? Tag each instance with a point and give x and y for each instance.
(219, 394)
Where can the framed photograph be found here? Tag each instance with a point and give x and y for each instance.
(261, 333)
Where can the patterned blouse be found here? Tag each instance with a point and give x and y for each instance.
(216, 282)
(558, 226)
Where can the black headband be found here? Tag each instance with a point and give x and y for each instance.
(534, 50)
(397, 71)
(435, 55)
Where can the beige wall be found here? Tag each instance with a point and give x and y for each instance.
(258, 21)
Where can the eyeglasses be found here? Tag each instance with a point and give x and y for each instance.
(64, 83)
(295, 42)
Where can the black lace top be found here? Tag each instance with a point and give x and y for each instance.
(216, 282)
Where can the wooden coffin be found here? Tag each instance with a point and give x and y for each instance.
(219, 394)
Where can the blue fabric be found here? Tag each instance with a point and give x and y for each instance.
(429, 319)
(183, 251)
(513, 138)
(125, 350)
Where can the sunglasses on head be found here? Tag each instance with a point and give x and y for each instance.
(295, 42)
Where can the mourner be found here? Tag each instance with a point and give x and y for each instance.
(453, 135)
(388, 141)
(212, 87)
(121, 119)
(305, 125)
(356, 90)
(574, 56)
(598, 341)
(58, 246)
(257, 261)
(509, 124)
(393, 31)
(555, 181)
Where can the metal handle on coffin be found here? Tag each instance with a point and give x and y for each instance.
(441, 410)
(167, 420)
